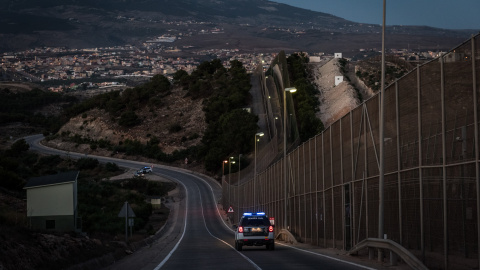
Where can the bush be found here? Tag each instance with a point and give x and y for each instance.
(175, 128)
(128, 119)
(87, 163)
(111, 167)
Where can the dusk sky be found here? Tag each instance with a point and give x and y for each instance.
(458, 14)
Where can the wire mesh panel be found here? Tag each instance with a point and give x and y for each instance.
(358, 131)
(408, 120)
(335, 128)
(359, 211)
(433, 209)
(392, 229)
(458, 101)
(338, 212)
(410, 193)
(390, 128)
(372, 136)
(329, 222)
(295, 188)
(431, 113)
(327, 190)
(461, 202)
(327, 158)
(346, 141)
(372, 206)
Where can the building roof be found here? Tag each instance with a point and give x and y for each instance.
(54, 179)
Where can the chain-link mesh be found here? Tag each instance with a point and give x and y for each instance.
(329, 195)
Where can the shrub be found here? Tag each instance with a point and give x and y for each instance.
(128, 119)
(87, 163)
(175, 128)
(111, 167)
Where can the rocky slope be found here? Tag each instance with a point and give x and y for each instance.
(335, 101)
(178, 124)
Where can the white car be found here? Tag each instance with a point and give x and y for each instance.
(146, 169)
(254, 229)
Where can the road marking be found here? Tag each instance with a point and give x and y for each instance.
(205, 223)
(184, 228)
(318, 254)
(328, 257)
(213, 196)
(36, 141)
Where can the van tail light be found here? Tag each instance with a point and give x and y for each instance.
(270, 229)
(240, 229)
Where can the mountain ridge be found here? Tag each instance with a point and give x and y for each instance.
(257, 23)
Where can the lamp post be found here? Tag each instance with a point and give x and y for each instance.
(231, 161)
(381, 180)
(291, 90)
(238, 187)
(259, 134)
(223, 167)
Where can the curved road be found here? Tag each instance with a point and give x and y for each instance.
(197, 237)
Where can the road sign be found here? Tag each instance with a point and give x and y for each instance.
(123, 212)
(272, 220)
(230, 210)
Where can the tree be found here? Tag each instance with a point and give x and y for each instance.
(18, 148)
(180, 76)
(128, 119)
(237, 128)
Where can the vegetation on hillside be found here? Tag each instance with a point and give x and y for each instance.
(369, 71)
(225, 93)
(306, 102)
(18, 164)
(25, 106)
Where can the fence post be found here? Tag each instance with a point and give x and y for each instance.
(475, 116)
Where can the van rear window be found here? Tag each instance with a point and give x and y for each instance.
(255, 221)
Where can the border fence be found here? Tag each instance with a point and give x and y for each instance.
(329, 196)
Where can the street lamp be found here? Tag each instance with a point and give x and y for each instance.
(238, 187)
(229, 177)
(291, 90)
(223, 167)
(259, 134)
(381, 179)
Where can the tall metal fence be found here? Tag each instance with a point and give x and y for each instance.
(330, 194)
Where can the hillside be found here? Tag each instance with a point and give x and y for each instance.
(178, 123)
(247, 25)
(335, 101)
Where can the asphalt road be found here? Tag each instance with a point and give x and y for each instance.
(196, 236)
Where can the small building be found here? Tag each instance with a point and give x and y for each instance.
(52, 202)
(338, 55)
(156, 202)
(314, 59)
(338, 80)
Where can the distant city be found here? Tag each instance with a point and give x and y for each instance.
(98, 68)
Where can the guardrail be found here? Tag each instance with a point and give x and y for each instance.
(395, 251)
(286, 236)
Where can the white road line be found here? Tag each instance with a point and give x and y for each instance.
(205, 223)
(184, 228)
(318, 254)
(331, 258)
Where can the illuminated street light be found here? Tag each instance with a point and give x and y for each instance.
(238, 187)
(291, 90)
(229, 177)
(259, 134)
(223, 167)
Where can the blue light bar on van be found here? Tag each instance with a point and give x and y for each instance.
(261, 214)
(247, 214)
